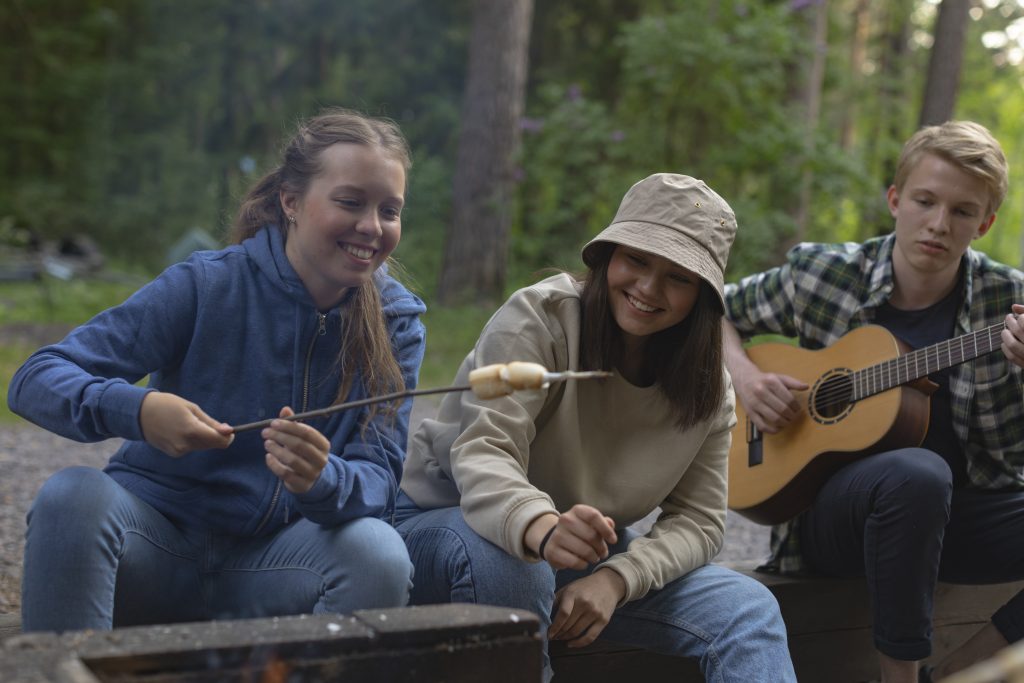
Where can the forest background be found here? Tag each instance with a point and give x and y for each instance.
(134, 121)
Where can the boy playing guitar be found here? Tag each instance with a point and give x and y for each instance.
(952, 508)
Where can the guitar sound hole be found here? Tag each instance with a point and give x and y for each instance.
(832, 397)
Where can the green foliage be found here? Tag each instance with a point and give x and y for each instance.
(575, 171)
(996, 100)
(696, 75)
(61, 302)
(695, 95)
(132, 121)
(424, 218)
(451, 334)
(139, 119)
(574, 41)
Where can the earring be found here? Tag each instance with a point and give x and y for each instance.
(291, 219)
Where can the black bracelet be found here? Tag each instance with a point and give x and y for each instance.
(544, 542)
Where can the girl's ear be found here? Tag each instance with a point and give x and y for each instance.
(289, 202)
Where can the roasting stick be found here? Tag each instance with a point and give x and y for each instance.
(490, 381)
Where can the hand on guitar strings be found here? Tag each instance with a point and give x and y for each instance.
(490, 381)
(768, 397)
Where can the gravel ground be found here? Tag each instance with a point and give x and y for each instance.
(28, 455)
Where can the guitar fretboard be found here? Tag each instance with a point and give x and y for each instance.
(917, 364)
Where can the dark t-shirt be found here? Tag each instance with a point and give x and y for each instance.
(923, 328)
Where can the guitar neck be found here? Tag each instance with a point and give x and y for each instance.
(922, 362)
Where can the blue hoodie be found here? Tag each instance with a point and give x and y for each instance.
(235, 332)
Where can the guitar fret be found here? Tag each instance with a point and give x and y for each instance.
(897, 371)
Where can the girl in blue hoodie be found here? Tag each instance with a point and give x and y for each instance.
(190, 521)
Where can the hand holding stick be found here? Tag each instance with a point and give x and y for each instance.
(490, 381)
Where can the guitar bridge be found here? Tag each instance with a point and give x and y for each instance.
(755, 445)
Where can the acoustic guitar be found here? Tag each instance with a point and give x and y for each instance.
(867, 394)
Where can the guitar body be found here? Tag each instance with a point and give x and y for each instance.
(778, 475)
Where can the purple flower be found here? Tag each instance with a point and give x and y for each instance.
(529, 125)
(617, 136)
(574, 93)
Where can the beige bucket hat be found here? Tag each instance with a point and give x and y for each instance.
(677, 217)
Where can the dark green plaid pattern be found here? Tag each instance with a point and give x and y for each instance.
(825, 290)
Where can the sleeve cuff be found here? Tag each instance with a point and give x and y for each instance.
(636, 587)
(324, 487)
(121, 406)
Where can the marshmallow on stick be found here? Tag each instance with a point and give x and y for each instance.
(501, 379)
(490, 381)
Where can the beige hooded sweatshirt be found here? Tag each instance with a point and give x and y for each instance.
(604, 443)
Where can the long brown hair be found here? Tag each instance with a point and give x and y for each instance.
(365, 343)
(685, 359)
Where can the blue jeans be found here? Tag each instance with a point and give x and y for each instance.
(728, 621)
(96, 557)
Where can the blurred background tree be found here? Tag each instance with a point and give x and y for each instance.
(132, 121)
(475, 260)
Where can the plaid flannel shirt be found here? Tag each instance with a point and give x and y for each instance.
(825, 290)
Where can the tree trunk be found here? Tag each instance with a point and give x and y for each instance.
(944, 64)
(812, 110)
(858, 51)
(890, 105)
(476, 249)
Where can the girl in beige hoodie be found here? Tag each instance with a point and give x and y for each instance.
(524, 501)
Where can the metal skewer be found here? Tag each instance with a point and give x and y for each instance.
(549, 377)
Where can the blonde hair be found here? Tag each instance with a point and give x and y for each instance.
(365, 342)
(966, 144)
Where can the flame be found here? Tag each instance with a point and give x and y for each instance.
(275, 671)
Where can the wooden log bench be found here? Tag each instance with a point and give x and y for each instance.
(829, 625)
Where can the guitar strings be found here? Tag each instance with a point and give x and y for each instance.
(838, 392)
(843, 389)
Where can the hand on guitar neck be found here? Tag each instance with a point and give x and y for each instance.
(1013, 336)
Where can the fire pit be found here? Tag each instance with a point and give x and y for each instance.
(454, 643)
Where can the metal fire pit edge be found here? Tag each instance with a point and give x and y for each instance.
(455, 643)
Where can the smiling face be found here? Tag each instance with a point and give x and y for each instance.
(938, 211)
(648, 293)
(348, 221)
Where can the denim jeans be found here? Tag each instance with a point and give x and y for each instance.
(728, 621)
(96, 556)
(896, 519)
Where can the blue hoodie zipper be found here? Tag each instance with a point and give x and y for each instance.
(321, 331)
